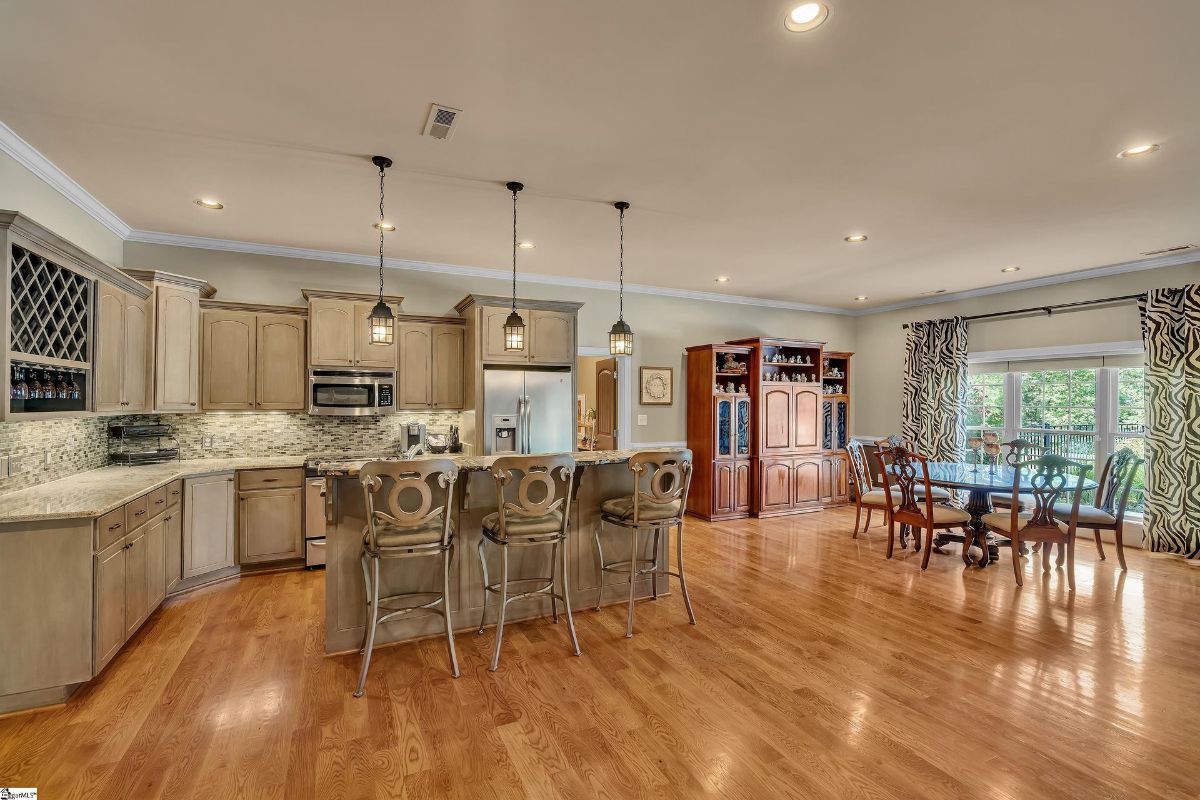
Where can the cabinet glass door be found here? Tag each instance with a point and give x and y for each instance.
(743, 426)
(724, 432)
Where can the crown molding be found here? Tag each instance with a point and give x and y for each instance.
(1175, 259)
(310, 254)
(24, 154)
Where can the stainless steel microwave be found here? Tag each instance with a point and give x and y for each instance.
(351, 392)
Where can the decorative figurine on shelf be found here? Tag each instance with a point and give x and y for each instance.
(731, 364)
(717, 388)
(731, 388)
(742, 389)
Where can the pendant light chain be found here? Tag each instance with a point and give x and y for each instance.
(621, 258)
(381, 321)
(620, 337)
(381, 171)
(514, 252)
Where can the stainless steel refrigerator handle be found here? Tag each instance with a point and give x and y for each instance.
(528, 419)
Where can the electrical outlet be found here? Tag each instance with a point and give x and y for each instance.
(16, 465)
(47, 459)
(641, 419)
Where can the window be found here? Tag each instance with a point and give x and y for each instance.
(1080, 414)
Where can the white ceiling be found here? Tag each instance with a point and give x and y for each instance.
(961, 136)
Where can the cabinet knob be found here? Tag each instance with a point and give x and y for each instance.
(191, 404)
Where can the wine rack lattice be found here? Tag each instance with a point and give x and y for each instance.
(49, 308)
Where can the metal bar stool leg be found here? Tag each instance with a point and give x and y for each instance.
(566, 593)
(503, 606)
(633, 532)
(553, 599)
(447, 557)
(603, 566)
(486, 583)
(362, 561)
(687, 598)
(654, 574)
(371, 624)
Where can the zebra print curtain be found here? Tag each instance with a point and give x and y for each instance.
(1171, 329)
(935, 387)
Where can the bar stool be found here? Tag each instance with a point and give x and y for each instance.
(395, 532)
(668, 475)
(530, 522)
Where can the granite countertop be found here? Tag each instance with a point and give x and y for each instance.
(98, 491)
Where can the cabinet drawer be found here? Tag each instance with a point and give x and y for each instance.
(156, 502)
(174, 493)
(136, 513)
(287, 478)
(110, 528)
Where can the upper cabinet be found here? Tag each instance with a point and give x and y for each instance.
(122, 338)
(253, 357)
(431, 364)
(549, 330)
(339, 335)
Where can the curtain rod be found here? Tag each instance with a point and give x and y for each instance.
(1050, 309)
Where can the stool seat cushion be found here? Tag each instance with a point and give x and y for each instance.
(948, 515)
(1024, 501)
(936, 492)
(878, 498)
(648, 510)
(391, 536)
(1002, 521)
(1088, 515)
(524, 526)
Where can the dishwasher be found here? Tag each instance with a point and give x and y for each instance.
(315, 500)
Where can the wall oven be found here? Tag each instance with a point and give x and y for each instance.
(351, 392)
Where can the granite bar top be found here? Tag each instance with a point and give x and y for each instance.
(98, 491)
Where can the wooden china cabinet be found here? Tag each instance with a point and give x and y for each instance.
(835, 428)
(720, 431)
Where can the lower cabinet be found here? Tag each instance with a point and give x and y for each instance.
(835, 479)
(731, 488)
(136, 591)
(173, 549)
(270, 515)
(110, 604)
(788, 484)
(207, 524)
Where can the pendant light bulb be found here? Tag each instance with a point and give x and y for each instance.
(620, 336)
(381, 322)
(514, 326)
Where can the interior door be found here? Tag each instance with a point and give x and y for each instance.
(606, 404)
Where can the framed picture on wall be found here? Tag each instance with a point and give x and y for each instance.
(657, 386)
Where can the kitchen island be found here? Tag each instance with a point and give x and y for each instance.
(600, 475)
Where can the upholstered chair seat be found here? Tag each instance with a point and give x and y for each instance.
(523, 526)
(622, 508)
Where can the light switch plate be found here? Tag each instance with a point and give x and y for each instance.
(641, 419)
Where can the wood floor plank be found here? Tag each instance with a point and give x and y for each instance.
(819, 669)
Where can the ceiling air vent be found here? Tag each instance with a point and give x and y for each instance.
(442, 121)
(1177, 248)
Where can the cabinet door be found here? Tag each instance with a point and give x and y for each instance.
(841, 480)
(156, 562)
(134, 385)
(723, 426)
(775, 484)
(448, 366)
(136, 596)
(176, 349)
(806, 417)
(806, 482)
(416, 365)
(776, 419)
(723, 487)
(366, 352)
(110, 348)
(741, 422)
(110, 604)
(173, 548)
(228, 357)
(493, 335)
(331, 332)
(552, 337)
(741, 487)
(281, 369)
(208, 524)
(270, 525)
(825, 486)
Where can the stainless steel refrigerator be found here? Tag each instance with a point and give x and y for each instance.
(533, 408)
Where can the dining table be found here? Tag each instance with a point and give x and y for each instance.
(981, 481)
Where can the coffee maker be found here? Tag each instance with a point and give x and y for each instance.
(413, 437)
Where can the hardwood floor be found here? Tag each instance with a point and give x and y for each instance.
(818, 670)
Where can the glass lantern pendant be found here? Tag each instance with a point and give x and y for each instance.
(620, 336)
(381, 321)
(514, 326)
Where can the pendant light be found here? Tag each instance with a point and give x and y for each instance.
(620, 337)
(382, 321)
(514, 326)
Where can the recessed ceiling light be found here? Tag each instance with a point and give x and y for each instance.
(386, 227)
(1011, 269)
(805, 17)
(526, 245)
(860, 298)
(855, 238)
(205, 202)
(722, 279)
(1139, 150)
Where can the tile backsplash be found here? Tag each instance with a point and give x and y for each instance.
(75, 445)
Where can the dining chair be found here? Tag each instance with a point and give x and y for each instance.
(865, 494)
(1112, 499)
(1016, 452)
(903, 471)
(940, 495)
(1051, 481)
